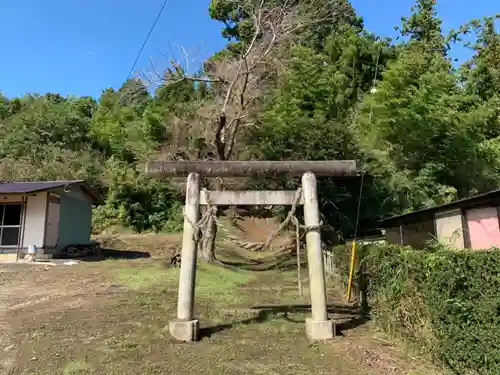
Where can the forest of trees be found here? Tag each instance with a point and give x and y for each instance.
(297, 81)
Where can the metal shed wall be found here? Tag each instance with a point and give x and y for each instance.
(483, 227)
(449, 228)
(75, 226)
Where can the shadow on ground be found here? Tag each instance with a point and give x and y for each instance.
(106, 254)
(282, 262)
(353, 318)
(124, 254)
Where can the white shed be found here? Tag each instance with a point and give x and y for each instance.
(49, 214)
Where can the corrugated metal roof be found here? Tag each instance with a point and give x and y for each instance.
(493, 195)
(30, 187)
(24, 187)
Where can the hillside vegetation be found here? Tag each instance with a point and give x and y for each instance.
(305, 86)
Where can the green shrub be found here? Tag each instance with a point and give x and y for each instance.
(445, 302)
(141, 204)
(464, 300)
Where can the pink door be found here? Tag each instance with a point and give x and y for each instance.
(484, 230)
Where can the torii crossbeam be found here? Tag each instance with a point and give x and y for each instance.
(318, 326)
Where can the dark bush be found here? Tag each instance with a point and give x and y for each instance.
(445, 302)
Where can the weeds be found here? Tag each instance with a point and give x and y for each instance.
(76, 368)
(213, 283)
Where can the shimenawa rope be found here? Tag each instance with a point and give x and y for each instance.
(211, 214)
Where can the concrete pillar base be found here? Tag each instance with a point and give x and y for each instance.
(320, 330)
(184, 330)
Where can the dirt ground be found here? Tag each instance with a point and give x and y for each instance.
(108, 317)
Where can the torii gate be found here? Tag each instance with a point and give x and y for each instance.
(318, 326)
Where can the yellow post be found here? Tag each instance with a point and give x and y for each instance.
(353, 251)
(351, 270)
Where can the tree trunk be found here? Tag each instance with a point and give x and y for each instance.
(232, 214)
(209, 231)
(206, 246)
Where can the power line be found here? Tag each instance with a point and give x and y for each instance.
(146, 40)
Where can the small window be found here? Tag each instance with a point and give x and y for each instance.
(12, 214)
(10, 236)
(10, 224)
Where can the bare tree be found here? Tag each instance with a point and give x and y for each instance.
(239, 81)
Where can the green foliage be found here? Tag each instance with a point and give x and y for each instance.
(136, 201)
(424, 27)
(445, 302)
(118, 128)
(4, 107)
(239, 19)
(44, 121)
(175, 220)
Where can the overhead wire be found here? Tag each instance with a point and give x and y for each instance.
(353, 248)
(374, 88)
(146, 39)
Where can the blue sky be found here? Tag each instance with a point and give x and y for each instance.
(81, 47)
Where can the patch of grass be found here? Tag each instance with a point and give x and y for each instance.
(146, 300)
(77, 368)
(145, 276)
(219, 284)
(124, 344)
(213, 282)
(280, 324)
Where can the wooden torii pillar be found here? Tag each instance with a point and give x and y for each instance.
(318, 326)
